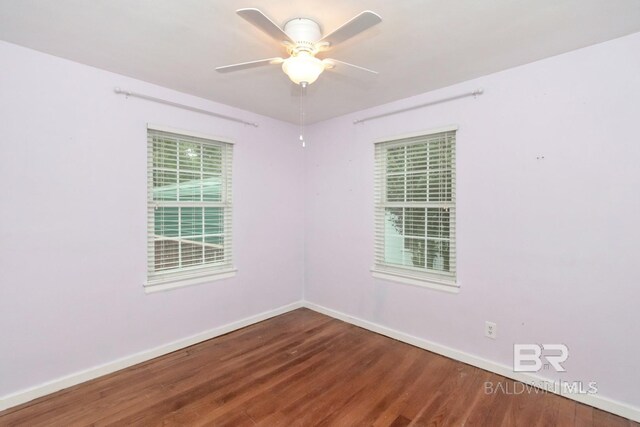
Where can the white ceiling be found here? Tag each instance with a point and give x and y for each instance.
(421, 45)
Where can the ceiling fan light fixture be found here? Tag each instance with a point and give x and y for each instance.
(303, 67)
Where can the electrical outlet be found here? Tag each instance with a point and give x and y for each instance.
(490, 330)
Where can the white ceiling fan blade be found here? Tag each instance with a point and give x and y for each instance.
(346, 68)
(356, 25)
(260, 20)
(250, 64)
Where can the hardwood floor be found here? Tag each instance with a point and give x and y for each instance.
(300, 369)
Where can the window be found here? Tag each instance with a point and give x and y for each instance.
(189, 208)
(415, 209)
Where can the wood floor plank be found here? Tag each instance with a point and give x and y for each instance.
(584, 415)
(303, 369)
(464, 397)
(451, 409)
(526, 403)
(413, 388)
(432, 377)
(303, 400)
(486, 403)
(366, 391)
(305, 365)
(605, 419)
(566, 412)
(550, 406)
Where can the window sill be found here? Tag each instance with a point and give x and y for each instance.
(431, 283)
(181, 282)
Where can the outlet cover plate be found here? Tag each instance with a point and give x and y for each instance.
(490, 330)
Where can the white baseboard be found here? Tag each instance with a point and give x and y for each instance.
(597, 401)
(24, 396)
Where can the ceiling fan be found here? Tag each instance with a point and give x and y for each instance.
(303, 39)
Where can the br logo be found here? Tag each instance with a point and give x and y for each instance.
(528, 357)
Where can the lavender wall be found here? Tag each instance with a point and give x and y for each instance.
(73, 218)
(548, 248)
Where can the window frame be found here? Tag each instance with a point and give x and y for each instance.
(199, 273)
(410, 275)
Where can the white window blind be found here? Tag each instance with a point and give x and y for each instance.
(189, 207)
(415, 208)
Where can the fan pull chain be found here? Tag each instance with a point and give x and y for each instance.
(303, 96)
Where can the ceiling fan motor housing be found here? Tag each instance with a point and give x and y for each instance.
(304, 32)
